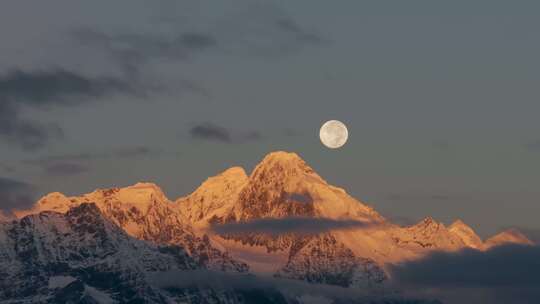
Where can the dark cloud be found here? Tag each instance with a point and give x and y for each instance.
(251, 136)
(53, 87)
(291, 289)
(263, 29)
(132, 51)
(65, 169)
(7, 168)
(298, 225)
(290, 132)
(73, 164)
(16, 194)
(125, 152)
(27, 134)
(257, 28)
(289, 25)
(212, 132)
(43, 90)
(510, 273)
(305, 198)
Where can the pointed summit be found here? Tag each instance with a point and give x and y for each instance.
(283, 164)
(54, 201)
(466, 233)
(510, 236)
(214, 198)
(283, 184)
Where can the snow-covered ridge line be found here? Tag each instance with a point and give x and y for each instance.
(281, 186)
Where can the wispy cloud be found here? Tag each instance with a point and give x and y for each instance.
(510, 273)
(65, 169)
(131, 51)
(255, 28)
(77, 163)
(297, 225)
(45, 89)
(7, 168)
(263, 29)
(290, 289)
(211, 132)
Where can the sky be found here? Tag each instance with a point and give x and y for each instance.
(441, 99)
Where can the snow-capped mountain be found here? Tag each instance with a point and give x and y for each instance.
(80, 256)
(55, 257)
(143, 211)
(282, 186)
(510, 236)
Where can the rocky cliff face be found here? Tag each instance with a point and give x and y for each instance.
(49, 256)
(143, 211)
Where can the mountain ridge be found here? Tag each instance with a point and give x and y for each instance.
(282, 185)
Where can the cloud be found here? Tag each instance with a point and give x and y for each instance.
(249, 28)
(291, 289)
(289, 25)
(65, 169)
(133, 50)
(123, 152)
(298, 225)
(77, 163)
(211, 132)
(510, 274)
(53, 87)
(15, 194)
(45, 89)
(7, 168)
(263, 29)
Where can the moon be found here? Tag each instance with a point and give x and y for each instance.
(334, 134)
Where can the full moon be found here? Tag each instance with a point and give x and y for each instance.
(333, 134)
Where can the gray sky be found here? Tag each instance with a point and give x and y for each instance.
(441, 99)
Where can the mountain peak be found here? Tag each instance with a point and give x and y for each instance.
(282, 155)
(466, 234)
(281, 164)
(214, 197)
(140, 195)
(233, 172)
(428, 222)
(283, 158)
(458, 223)
(510, 236)
(54, 201)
